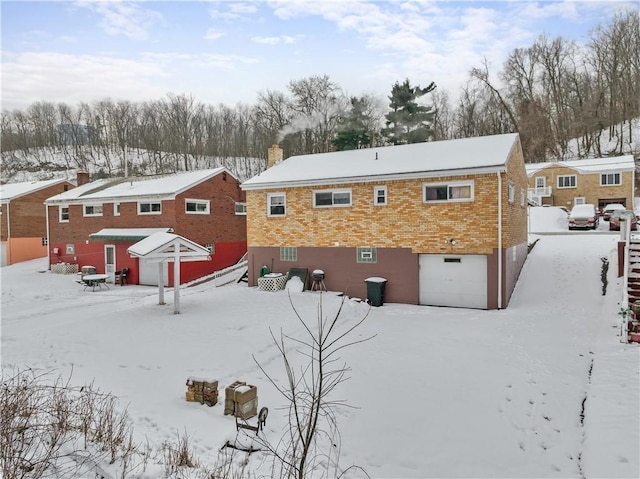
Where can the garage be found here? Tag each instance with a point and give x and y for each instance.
(453, 280)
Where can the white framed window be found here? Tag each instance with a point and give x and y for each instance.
(92, 210)
(276, 204)
(196, 207)
(443, 192)
(241, 208)
(366, 254)
(63, 214)
(331, 198)
(379, 195)
(579, 200)
(511, 192)
(567, 181)
(116, 209)
(288, 253)
(150, 208)
(610, 179)
(541, 181)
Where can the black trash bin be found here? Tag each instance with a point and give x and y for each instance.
(375, 290)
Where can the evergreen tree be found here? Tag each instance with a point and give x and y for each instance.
(408, 122)
(353, 132)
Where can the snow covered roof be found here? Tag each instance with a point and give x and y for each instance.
(435, 158)
(166, 186)
(589, 165)
(11, 191)
(163, 246)
(127, 233)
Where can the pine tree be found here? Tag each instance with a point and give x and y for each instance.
(408, 121)
(353, 132)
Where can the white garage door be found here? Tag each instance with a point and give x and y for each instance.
(453, 280)
(149, 273)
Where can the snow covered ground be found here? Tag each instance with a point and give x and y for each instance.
(438, 392)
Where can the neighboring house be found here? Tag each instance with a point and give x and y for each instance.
(23, 224)
(95, 223)
(599, 181)
(444, 222)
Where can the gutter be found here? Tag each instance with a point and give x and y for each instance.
(46, 214)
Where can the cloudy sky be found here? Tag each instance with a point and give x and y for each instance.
(229, 51)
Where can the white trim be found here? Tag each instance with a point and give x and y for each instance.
(377, 189)
(149, 203)
(448, 184)
(284, 204)
(196, 202)
(60, 207)
(333, 193)
(116, 208)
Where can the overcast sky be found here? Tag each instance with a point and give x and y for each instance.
(229, 51)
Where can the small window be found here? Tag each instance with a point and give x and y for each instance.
(331, 198)
(197, 207)
(92, 210)
(610, 179)
(241, 208)
(439, 192)
(366, 254)
(276, 204)
(567, 181)
(116, 209)
(288, 253)
(380, 195)
(70, 249)
(63, 214)
(150, 208)
(511, 192)
(579, 200)
(210, 247)
(453, 260)
(45, 241)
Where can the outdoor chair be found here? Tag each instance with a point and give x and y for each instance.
(121, 276)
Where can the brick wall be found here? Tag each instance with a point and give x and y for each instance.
(27, 214)
(406, 221)
(587, 186)
(514, 222)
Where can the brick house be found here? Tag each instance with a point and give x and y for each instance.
(95, 223)
(23, 224)
(598, 181)
(444, 222)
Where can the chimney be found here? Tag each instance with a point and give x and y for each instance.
(82, 178)
(274, 155)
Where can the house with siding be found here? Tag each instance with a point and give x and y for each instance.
(23, 224)
(599, 181)
(95, 224)
(445, 223)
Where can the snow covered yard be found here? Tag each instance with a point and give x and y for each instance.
(438, 392)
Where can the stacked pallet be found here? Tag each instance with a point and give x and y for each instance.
(204, 391)
(241, 400)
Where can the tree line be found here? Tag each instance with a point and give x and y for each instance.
(550, 92)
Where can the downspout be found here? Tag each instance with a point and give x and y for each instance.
(499, 240)
(8, 251)
(46, 215)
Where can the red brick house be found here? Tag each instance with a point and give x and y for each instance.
(23, 224)
(95, 223)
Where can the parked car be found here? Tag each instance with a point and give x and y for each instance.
(608, 210)
(614, 221)
(584, 216)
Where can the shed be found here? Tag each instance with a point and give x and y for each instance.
(162, 247)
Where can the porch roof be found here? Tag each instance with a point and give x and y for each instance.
(126, 233)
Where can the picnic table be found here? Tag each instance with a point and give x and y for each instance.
(93, 280)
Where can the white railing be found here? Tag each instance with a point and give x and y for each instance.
(540, 191)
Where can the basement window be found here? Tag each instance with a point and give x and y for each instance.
(288, 253)
(366, 254)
